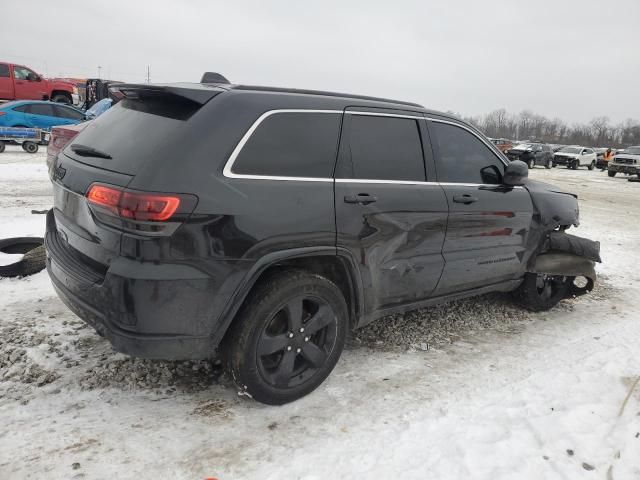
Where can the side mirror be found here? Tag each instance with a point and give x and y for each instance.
(515, 173)
(32, 77)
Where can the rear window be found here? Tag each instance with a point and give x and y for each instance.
(4, 70)
(291, 144)
(136, 133)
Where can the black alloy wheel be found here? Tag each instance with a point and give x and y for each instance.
(287, 337)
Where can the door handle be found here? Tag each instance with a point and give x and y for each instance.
(466, 199)
(361, 198)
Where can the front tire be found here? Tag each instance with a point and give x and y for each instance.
(531, 163)
(30, 147)
(592, 165)
(539, 292)
(611, 174)
(549, 164)
(287, 337)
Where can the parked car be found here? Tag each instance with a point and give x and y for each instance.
(501, 143)
(575, 156)
(627, 162)
(532, 154)
(300, 216)
(38, 114)
(62, 135)
(21, 83)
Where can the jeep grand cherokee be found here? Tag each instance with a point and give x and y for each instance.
(261, 224)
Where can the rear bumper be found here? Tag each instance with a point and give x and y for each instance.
(166, 311)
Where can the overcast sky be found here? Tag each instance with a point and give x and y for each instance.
(572, 59)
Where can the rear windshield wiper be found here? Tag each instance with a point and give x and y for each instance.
(85, 151)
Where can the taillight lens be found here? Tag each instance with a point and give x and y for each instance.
(139, 206)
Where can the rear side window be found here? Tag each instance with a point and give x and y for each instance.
(295, 144)
(382, 148)
(463, 157)
(22, 108)
(64, 112)
(4, 70)
(41, 109)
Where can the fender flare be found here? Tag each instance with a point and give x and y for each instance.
(240, 294)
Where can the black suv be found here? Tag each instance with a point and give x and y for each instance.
(532, 154)
(263, 224)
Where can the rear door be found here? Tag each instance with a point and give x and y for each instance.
(388, 215)
(488, 222)
(42, 115)
(6, 83)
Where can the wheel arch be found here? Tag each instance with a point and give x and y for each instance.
(336, 265)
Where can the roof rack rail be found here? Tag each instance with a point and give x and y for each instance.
(320, 92)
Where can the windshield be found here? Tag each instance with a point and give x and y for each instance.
(571, 150)
(632, 151)
(523, 146)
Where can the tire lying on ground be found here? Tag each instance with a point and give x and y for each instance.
(33, 259)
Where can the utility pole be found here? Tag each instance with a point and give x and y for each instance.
(148, 75)
(99, 71)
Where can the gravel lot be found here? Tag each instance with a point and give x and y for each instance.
(74, 408)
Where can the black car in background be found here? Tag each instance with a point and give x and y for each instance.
(532, 154)
(262, 224)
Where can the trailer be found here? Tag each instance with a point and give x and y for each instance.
(30, 138)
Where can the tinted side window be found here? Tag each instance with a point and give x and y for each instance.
(4, 70)
(42, 109)
(382, 148)
(291, 145)
(463, 157)
(64, 112)
(22, 108)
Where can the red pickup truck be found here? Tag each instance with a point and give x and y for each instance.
(21, 83)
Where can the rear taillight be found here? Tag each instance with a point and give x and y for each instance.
(139, 210)
(2, 113)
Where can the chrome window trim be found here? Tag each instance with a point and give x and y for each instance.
(227, 171)
(381, 114)
(487, 143)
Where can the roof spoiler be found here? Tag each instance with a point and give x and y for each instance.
(213, 77)
(196, 93)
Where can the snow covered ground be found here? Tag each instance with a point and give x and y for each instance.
(499, 393)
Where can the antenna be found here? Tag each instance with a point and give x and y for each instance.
(99, 71)
(148, 74)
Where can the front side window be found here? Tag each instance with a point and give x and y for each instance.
(382, 148)
(463, 157)
(41, 109)
(22, 73)
(64, 112)
(291, 144)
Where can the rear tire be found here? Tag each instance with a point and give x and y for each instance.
(549, 164)
(267, 351)
(539, 292)
(611, 174)
(575, 165)
(2, 146)
(30, 147)
(531, 163)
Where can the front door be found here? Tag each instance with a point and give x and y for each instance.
(390, 219)
(26, 85)
(488, 222)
